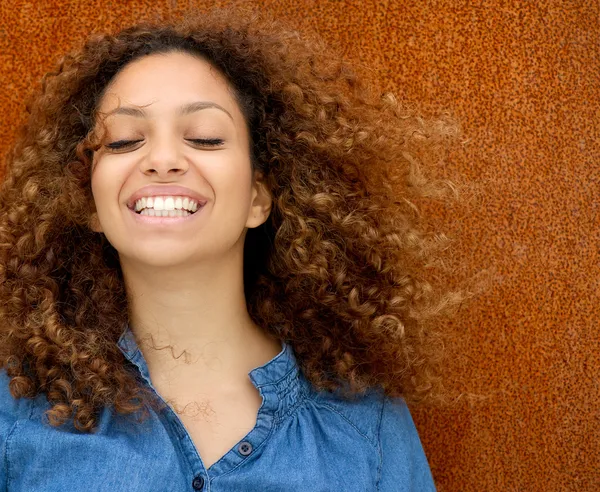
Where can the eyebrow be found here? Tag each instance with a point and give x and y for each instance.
(182, 110)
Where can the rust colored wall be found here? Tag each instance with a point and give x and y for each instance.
(524, 80)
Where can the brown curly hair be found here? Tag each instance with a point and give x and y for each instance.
(336, 271)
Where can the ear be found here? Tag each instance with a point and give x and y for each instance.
(94, 223)
(262, 202)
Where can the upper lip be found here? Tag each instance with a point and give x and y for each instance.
(165, 190)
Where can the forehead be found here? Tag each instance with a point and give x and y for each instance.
(166, 79)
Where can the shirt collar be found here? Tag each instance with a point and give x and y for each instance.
(279, 381)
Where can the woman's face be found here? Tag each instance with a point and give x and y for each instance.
(172, 182)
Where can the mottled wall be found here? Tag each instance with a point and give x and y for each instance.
(524, 79)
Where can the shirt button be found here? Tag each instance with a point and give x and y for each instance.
(245, 448)
(198, 483)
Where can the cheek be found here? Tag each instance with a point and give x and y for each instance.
(236, 173)
(235, 188)
(106, 182)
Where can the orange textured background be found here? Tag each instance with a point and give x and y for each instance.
(524, 79)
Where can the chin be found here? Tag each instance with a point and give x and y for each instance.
(155, 259)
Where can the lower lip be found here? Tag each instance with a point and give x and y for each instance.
(148, 219)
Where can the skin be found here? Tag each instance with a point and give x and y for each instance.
(184, 279)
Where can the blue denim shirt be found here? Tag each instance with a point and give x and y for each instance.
(303, 440)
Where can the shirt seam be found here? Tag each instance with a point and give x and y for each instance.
(272, 383)
(380, 452)
(358, 431)
(29, 414)
(133, 356)
(6, 457)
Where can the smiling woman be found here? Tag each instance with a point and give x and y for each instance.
(220, 188)
(177, 124)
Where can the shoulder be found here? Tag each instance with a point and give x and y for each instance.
(403, 459)
(11, 411)
(373, 414)
(363, 413)
(388, 425)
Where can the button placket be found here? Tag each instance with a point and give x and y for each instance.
(198, 482)
(245, 448)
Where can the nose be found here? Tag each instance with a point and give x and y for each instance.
(164, 159)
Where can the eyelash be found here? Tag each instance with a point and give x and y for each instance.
(208, 142)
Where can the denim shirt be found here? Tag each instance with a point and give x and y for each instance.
(303, 440)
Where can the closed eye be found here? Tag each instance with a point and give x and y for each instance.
(206, 142)
(122, 144)
(200, 142)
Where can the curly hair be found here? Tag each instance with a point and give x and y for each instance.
(337, 271)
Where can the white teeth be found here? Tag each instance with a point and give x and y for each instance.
(164, 213)
(165, 204)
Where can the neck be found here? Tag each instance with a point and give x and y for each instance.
(195, 321)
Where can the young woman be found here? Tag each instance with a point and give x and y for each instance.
(211, 271)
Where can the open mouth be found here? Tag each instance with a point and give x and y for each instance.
(166, 206)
